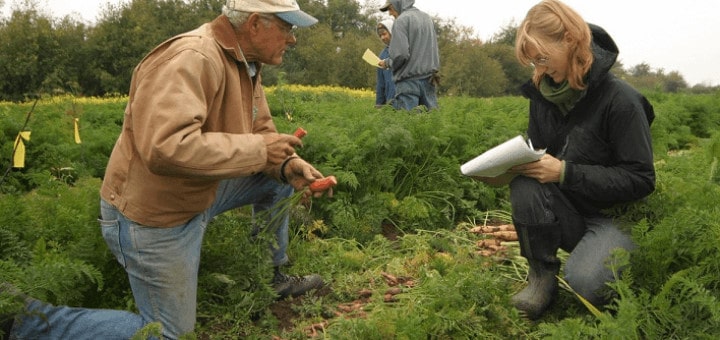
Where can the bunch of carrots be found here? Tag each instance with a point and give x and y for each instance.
(495, 237)
(320, 184)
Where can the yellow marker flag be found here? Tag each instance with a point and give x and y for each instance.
(77, 132)
(19, 155)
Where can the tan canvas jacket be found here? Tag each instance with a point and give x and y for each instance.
(188, 124)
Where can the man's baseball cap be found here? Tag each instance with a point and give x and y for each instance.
(386, 6)
(287, 10)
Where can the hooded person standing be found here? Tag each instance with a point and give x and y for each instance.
(385, 87)
(197, 140)
(414, 56)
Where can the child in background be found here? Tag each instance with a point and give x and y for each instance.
(385, 88)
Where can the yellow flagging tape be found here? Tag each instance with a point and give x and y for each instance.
(594, 310)
(77, 132)
(19, 149)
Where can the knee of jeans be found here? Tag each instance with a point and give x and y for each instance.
(596, 292)
(584, 285)
(596, 296)
(278, 193)
(589, 280)
(285, 190)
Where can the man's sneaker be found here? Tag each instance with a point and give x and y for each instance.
(6, 324)
(7, 320)
(291, 285)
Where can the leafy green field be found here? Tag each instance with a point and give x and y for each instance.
(399, 225)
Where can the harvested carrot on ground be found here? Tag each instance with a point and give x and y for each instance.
(323, 184)
(505, 235)
(300, 132)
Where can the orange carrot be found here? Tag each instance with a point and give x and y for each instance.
(393, 290)
(505, 235)
(323, 184)
(389, 298)
(320, 184)
(365, 293)
(487, 243)
(300, 132)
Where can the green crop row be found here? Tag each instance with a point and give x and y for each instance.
(397, 171)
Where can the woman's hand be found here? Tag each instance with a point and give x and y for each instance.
(546, 170)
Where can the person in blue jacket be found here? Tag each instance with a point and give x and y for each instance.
(385, 87)
(599, 158)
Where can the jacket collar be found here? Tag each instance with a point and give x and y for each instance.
(224, 34)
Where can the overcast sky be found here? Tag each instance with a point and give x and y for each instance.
(681, 36)
(670, 35)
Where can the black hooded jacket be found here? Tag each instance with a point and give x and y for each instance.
(604, 140)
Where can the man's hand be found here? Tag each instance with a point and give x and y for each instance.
(280, 146)
(300, 174)
(546, 170)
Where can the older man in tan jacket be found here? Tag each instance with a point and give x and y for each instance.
(197, 140)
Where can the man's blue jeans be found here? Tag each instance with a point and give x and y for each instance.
(162, 266)
(409, 94)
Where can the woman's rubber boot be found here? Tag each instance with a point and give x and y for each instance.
(539, 245)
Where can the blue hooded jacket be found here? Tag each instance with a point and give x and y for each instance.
(385, 87)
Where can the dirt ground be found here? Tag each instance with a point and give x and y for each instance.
(283, 310)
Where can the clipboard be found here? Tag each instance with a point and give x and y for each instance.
(371, 58)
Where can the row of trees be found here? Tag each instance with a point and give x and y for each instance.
(45, 54)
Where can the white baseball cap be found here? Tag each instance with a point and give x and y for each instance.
(287, 10)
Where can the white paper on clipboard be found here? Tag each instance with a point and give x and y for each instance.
(502, 157)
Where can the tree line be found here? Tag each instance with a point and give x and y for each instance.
(42, 54)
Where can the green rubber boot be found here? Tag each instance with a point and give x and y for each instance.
(539, 244)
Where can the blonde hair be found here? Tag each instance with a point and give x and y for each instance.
(545, 27)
